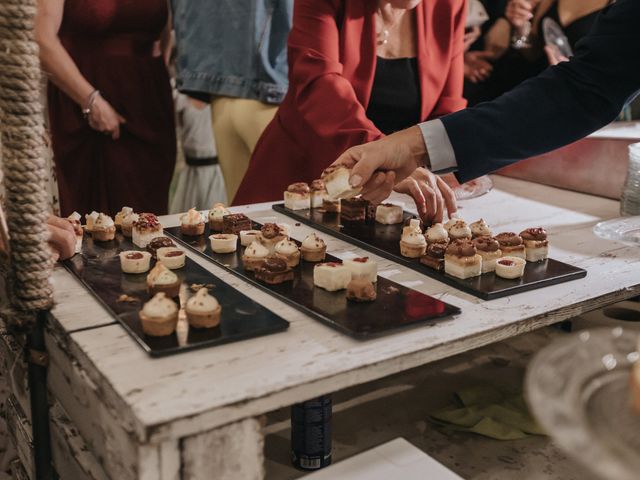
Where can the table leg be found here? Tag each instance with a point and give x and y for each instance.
(231, 452)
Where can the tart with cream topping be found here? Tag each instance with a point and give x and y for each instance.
(288, 250)
(192, 223)
(247, 237)
(103, 229)
(133, 261)
(216, 215)
(223, 242)
(254, 255)
(171, 257)
(203, 310)
(313, 249)
(161, 279)
(159, 316)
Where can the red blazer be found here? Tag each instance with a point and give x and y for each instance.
(332, 63)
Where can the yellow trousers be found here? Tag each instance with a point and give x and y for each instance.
(237, 126)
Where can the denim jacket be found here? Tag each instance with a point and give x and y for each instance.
(235, 48)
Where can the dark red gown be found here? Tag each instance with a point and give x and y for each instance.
(115, 45)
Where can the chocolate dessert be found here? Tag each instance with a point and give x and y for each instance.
(274, 270)
(434, 256)
(354, 209)
(235, 223)
(159, 242)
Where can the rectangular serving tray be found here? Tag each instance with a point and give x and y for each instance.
(396, 306)
(384, 240)
(98, 269)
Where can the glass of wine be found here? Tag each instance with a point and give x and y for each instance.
(521, 36)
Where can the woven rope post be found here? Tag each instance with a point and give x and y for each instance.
(22, 137)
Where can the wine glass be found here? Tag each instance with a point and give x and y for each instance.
(521, 36)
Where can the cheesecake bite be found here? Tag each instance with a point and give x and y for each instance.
(336, 181)
(362, 267)
(297, 196)
(461, 260)
(536, 244)
(331, 276)
(511, 245)
(318, 193)
(389, 214)
(146, 228)
(489, 249)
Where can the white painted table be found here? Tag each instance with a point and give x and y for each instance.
(198, 415)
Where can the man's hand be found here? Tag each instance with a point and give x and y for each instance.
(477, 67)
(432, 195)
(62, 239)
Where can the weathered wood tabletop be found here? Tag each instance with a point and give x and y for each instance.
(161, 418)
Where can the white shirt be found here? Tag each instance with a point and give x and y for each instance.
(442, 158)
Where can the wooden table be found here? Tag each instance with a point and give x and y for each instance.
(195, 414)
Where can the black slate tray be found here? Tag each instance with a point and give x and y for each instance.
(396, 306)
(98, 268)
(384, 240)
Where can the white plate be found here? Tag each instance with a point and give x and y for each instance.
(578, 389)
(625, 229)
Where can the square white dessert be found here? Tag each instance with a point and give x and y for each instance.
(297, 201)
(142, 239)
(389, 214)
(463, 267)
(331, 276)
(362, 267)
(317, 197)
(537, 254)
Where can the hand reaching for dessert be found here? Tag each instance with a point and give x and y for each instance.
(432, 195)
(105, 119)
(62, 238)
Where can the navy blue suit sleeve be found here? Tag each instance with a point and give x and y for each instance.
(563, 104)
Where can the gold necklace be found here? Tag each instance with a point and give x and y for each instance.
(383, 34)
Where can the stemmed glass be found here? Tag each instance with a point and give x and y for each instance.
(521, 37)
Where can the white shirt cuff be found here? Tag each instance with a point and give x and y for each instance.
(441, 155)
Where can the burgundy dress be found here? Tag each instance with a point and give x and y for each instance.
(114, 44)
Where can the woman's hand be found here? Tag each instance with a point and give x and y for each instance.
(62, 238)
(471, 36)
(518, 12)
(432, 195)
(105, 119)
(476, 67)
(554, 56)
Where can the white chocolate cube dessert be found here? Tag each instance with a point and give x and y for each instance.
(318, 193)
(331, 276)
(362, 267)
(461, 260)
(536, 244)
(297, 196)
(389, 214)
(336, 181)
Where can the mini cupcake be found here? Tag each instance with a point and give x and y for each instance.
(288, 250)
(216, 214)
(120, 215)
(74, 220)
(171, 257)
(223, 242)
(145, 228)
(414, 225)
(126, 224)
(460, 231)
(161, 279)
(247, 237)
(313, 249)
(480, 229)
(436, 234)
(103, 229)
(254, 255)
(159, 316)
(203, 310)
(192, 223)
(133, 261)
(413, 244)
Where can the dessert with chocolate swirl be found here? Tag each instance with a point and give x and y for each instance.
(235, 223)
(270, 235)
(511, 244)
(434, 256)
(159, 242)
(274, 271)
(297, 196)
(353, 209)
(461, 260)
(536, 244)
(489, 249)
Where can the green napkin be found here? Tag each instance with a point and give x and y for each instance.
(487, 411)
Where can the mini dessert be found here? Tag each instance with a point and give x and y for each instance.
(370, 212)
(318, 193)
(289, 252)
(285, 229)
(126, 224)
(414, 225)
(120, 215)
(274, 271)
(462, 260)
(146, 228)
(511, 245)
(353, 209)
(297, 196)
(247, 237)
(412, 244)
(436, 234)
(313, 249)
(480, 229)
(159, 316)
(459, 231)
(389, 214)
(254, 255)
(452, 221)
(216, 215)
(361, 290)
(157, 243)
(336, 181)
(103, 229)
(331, 276)
(171, 257)
(434, 256)
(362, 267)
(192, 223)
(74, 220)
(203, 310)
(536, 244)
(235, 223)
(132, 261)
(270, 235)
(161, 279)
(489, 249)
(223, 242)
(331, 206)
(418, 222)
(90, 220)
(510, 267)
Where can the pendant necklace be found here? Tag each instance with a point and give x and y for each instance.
(383, 34)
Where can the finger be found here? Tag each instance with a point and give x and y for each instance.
(376, 182)
(381, 193)
(363, 169)
(55, 256)
(121, 119)
(440, 208)
(63, 242)
(115, 133)
(418, 198)
(62, 223)
(449, 196)
(430, 198)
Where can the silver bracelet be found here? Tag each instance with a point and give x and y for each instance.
(90, 101)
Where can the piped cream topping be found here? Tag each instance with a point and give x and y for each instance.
(91, 219)
(102, 222)
(460, 229)
(286, 247)
(313, 242)
(202, 302)
(160, 306)
(414, 238)
(256, 250)
(75, 216)
(480, 228)
(161, 275)
(192, 217)
(437, 233)
(218, 211)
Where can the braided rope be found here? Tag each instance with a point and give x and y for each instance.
(22, 141)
